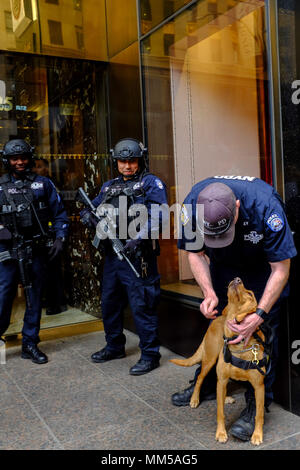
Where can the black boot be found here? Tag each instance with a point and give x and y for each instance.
(31, 351)
(183, 398)
(144, 366)
(244, 426)
(55, 310)
(104, 355)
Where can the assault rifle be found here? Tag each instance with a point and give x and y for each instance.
(21, 251)
(116, 244)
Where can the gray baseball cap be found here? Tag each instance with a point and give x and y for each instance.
(219, 204)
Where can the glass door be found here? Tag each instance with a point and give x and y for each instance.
(59, 106)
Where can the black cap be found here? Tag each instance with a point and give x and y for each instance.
(219, 204)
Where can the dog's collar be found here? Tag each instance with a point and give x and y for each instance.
(231, 338)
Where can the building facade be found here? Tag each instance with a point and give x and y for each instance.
(211, 86)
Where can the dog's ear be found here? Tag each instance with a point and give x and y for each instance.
(239, 318)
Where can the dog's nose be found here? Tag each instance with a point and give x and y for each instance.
(237, 281)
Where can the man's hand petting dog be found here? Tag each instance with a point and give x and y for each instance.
(245, 329)
(208, 306)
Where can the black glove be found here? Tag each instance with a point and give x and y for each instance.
(88, 219)
(131, 247)
(56, 248)
(5, 233)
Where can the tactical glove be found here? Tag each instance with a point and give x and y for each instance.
(88, 219)
(131, 247)
(56, 248)
(5, 233)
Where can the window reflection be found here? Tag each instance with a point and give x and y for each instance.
(55, 32)
(121, 25)
(153, 12)
(125, 102)
(207, 93)
(68, 28)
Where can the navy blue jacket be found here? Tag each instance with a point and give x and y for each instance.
(262, 234)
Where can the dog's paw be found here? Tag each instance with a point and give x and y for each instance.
(229, 400)
(221, 436)
(194, 402)
(257, 438)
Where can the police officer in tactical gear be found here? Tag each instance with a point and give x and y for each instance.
(120, 284)
(28, 202)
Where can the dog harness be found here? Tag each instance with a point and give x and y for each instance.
(254, 363)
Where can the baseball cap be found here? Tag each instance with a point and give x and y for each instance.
(219, 204)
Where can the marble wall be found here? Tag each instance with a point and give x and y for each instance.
(74, 133)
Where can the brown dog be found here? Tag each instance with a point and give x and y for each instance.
(241, 302)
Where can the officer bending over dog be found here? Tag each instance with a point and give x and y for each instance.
(134, 279)
(28, 202)
(246, 235)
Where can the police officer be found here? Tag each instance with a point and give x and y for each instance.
(28, 202)
(120, 284)
(246, 235)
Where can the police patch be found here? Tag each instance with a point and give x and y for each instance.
(37, 185)
(184, 215)
(254, 237)
(159, 184)
(275, 223)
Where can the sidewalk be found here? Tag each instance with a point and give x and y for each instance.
(72, 403)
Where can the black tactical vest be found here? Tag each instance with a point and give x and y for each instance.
(134, 191)
(19, 211)
(131, 189)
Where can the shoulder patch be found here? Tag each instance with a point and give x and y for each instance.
(159, 184)
(184, 215)
(37, 185)
(275, 223)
